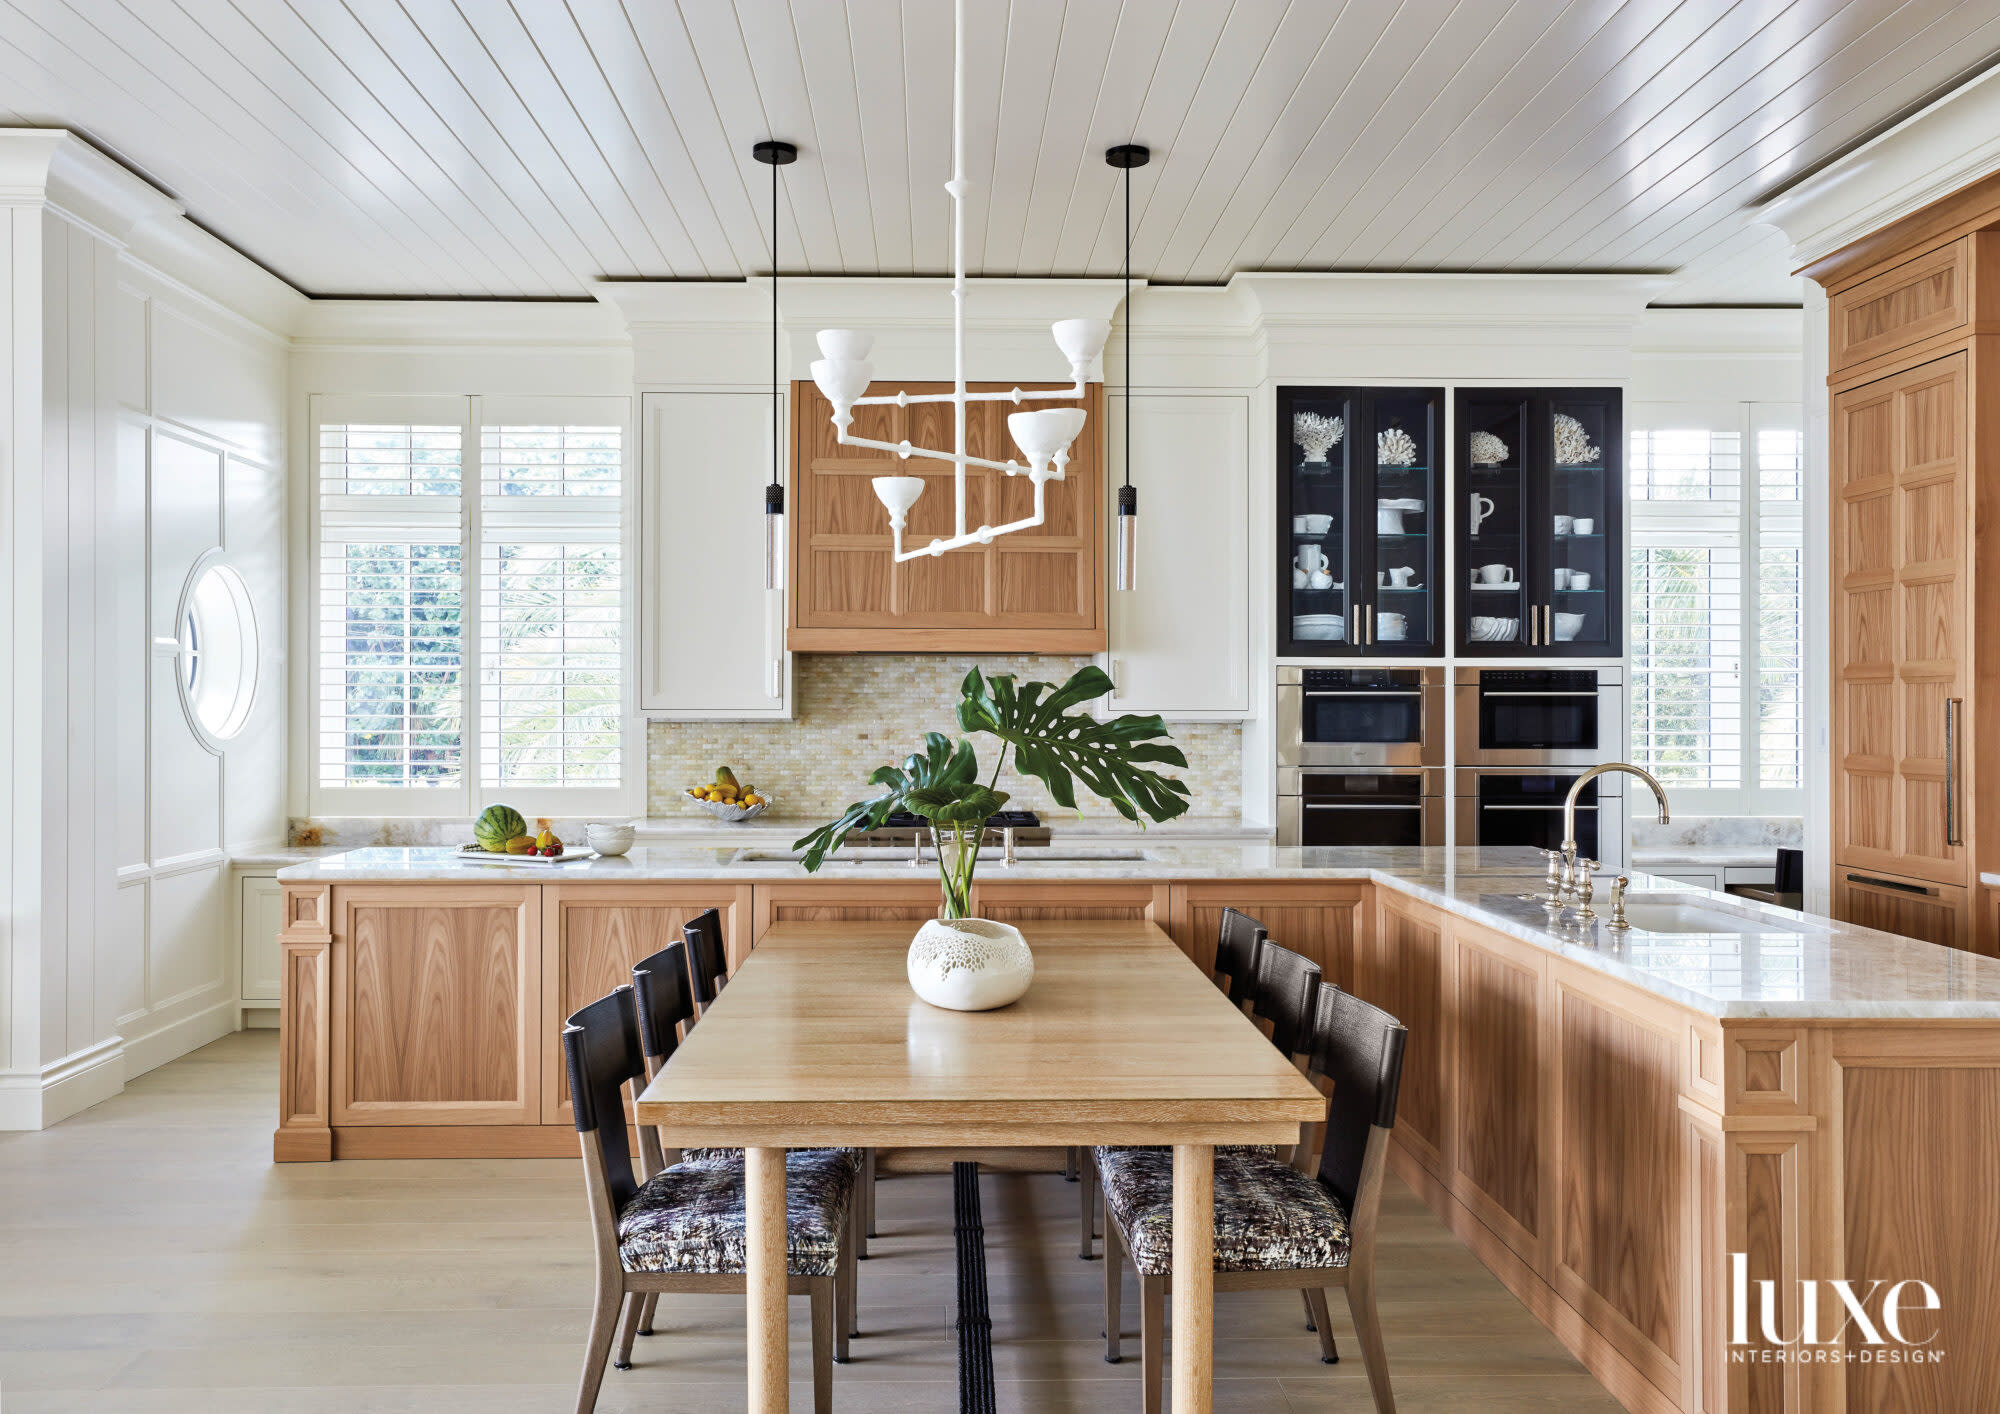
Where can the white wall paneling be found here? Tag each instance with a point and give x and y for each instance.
(712, 637)
(119, 819)
(1180, 645)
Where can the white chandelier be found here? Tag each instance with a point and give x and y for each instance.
(1044, 435)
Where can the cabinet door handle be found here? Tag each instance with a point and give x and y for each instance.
(1951, 708)
(1369, 609)
(1898, 885)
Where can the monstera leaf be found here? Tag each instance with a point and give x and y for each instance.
(1059, 747)
(939, 764)
(966, 803)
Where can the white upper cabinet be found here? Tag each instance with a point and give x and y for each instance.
(713, 644)
(1180, 644)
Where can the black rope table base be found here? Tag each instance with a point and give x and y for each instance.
(976, 1394)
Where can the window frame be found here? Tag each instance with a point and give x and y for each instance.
(472, 414)
(1750, 797)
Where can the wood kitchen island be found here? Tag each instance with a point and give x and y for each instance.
(1603, 1120)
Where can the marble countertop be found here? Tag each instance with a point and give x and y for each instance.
(1761, 961)
(766, 828)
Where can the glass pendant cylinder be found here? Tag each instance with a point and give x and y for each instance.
(1128, 539)
(774, 537)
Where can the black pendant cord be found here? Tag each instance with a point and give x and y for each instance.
(774, 496)
(1128, 335)
(977, 1393)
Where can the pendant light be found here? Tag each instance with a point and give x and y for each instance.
(774, 155)
(1126, 156)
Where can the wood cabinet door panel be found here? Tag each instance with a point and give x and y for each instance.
(1617, 1245)
(1026, 901)
(1497, 1094)
(1320, 921)
(1404, 976)
(1910, 908)
(1914, 301)
(1901, 619)
(593, 935)
(435, 1009)
(1038, 589)
(811, 901)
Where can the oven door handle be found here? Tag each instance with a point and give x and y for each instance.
(1335, 805)
(1326, 692)
(1590, 696)
(1580, 807)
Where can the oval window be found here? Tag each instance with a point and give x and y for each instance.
(218, 652)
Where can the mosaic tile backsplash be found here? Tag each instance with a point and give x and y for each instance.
(855, 712)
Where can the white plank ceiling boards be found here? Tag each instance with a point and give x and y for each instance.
(526, 149)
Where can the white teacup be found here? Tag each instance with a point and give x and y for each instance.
(1578, 580)
(1564, 524)
(1482, 507)
(1583, 525)
(1495, 574)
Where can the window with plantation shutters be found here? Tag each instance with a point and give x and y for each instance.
(1715, 557)
(551, 671)
(471, 602)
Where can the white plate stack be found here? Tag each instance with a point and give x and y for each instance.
(1319, 626)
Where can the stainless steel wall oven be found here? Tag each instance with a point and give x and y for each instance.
(1360, 717)
(1394, 806)
(1539, 716)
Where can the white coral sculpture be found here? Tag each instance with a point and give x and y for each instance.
(1395, 447)
(1573, 446)
(1316, 433)
(1487, 450)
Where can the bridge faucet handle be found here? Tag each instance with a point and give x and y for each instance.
(1586, 888)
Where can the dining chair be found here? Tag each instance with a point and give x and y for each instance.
(1237, 944)
(1286, 985)
(684, 1228)
(708, 960)
(1309, 1224)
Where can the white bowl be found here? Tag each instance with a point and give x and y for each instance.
(607, 837)
(1568, 626)
(733, 814)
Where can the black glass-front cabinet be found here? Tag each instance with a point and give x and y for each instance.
(1538, 496)
(1360, 522)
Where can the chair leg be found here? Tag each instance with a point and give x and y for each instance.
(1312, 1317)
(634, 1303)
(603, 1326)
(1114, 1296)
(823, 1323)
(1069, 1164)
(1087, 1204)
(843, 1303)
(1152, 1340)
(868, 1200)
(1329, 1353)
(1361, 1302)
(646, 1318)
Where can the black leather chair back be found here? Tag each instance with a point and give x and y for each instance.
(1359, 1047)
(1288, 987)
(601, 1047)
(708, 963)
(660, 987)
(1236, 948)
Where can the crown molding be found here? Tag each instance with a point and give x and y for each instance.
(1932, 153)
(1723, 333)
(1399, 300)
(478, 326)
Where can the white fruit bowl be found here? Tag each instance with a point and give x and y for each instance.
(734, 814)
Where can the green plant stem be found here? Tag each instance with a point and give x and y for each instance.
(1002, 761)
(955, 876)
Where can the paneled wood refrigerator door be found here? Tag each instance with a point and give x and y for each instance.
(1901, 624)
(1035, 591)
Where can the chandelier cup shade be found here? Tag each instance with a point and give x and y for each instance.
(1044, 435)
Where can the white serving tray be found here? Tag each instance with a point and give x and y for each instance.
(473, 854)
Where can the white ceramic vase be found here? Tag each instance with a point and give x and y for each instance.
(969, 964)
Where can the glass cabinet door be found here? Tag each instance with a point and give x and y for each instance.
(1582, 596)
(1496, 606)
(1317, 430)
(1400, 614)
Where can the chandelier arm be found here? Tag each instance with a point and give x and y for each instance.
(926, 454)
(959, 542)
(1047, 395)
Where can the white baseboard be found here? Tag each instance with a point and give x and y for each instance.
(176, 1039)
(38, 1099)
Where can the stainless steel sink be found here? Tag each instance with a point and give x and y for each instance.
(1671, 912)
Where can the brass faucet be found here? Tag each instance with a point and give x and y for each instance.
(1564, 887)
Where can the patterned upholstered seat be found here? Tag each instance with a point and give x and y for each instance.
(690, 1218)
(733, 1158)
(1268, 1215)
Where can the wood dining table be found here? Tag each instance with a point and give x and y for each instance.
(818, 1040)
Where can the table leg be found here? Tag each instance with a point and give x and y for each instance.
(1194, 1279)
(764, 1213)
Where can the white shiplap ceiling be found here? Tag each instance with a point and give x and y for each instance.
(529, 147)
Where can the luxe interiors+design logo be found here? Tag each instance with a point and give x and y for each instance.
(1876, 1326)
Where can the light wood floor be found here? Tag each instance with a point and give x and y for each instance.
(153, 1259)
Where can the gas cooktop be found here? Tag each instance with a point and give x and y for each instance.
(904, 830)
